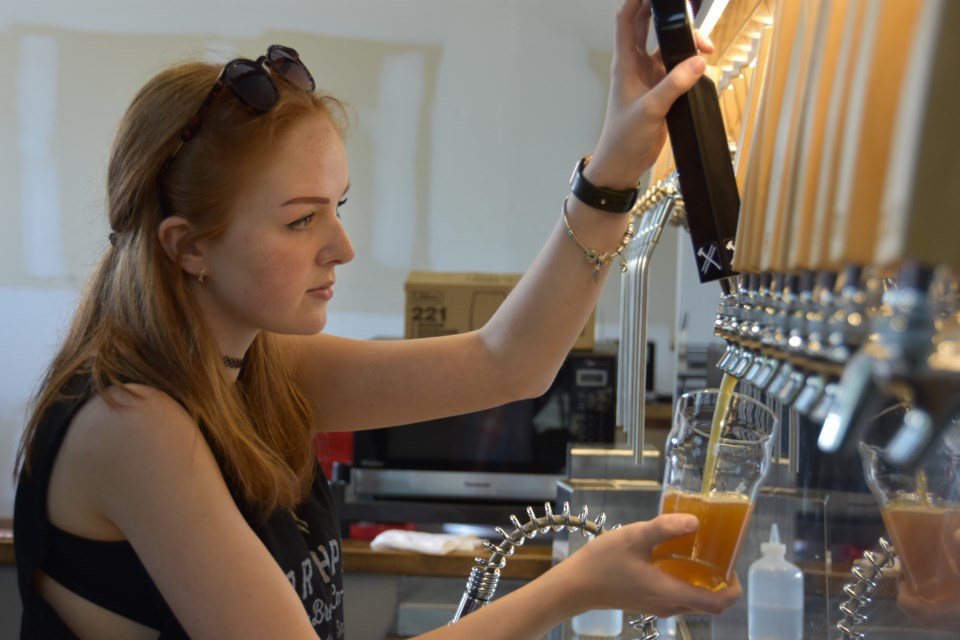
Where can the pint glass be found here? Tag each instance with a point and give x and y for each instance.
(720, 489)
(921, 511)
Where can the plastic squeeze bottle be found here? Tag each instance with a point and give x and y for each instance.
(774, 594)
(600, 623)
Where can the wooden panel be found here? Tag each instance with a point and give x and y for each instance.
(830, 31)
(888, 32)
(776, 213)
(919, 219)
(844, 69)
(738, 16)
(743, 256)
(757, 183)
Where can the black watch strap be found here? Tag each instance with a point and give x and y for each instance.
(611, 200)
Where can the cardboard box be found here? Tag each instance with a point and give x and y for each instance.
(439, 304)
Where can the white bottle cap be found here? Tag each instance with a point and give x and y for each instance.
(773, 546)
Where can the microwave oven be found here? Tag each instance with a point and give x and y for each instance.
(512, 452)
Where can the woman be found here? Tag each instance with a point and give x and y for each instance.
(168, 487)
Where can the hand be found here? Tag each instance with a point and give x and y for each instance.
(641, 93)
(615, 571)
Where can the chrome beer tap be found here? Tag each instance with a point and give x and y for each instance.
(857, 392)
(816, 385)
(847, 326)
(838, 333)
(726, 317)
(770, 303)
(751, 327)
(788, 381)
(929, 374)
(780, 329)
(819, 312)
(731, 327)
(747, 326)
(912, 355)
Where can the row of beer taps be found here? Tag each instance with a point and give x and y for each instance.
(839, 347)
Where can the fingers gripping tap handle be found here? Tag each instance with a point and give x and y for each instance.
(699, 142)
(674, 25)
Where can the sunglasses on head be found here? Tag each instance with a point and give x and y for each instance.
(250, 82)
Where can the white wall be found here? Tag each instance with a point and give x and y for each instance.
(471, 116)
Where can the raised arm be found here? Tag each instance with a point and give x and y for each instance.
(517, 354)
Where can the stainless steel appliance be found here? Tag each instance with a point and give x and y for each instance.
(516, 451)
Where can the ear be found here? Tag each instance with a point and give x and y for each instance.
(171, 234)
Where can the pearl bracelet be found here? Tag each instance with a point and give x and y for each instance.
(595, 257)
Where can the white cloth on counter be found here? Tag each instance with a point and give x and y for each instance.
(436, 544)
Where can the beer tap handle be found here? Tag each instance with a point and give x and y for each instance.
(700, 149)
(857, 394)
(894, 363)
(936, 409)
(911, 441)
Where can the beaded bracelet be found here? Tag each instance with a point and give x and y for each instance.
(595, 257)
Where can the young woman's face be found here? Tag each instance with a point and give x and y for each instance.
(275, 266)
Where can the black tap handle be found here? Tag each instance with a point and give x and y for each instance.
(913, 275)
(700, 149)
(826, 280)
(674, 26)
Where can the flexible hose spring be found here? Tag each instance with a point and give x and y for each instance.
(647, 626)
(861, 591)
(485, 575)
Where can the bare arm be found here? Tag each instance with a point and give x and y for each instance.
(611, 572)
(145, 469)
(361, 385)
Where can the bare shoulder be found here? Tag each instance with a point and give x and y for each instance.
(121, 450)
(138, 468)
(133, 417)
(139, 433)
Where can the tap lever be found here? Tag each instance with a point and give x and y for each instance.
(700, 150)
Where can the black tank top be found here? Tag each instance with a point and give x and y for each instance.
(305, 543)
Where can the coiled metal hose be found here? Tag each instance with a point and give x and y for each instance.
(862, 589)
(485, 575)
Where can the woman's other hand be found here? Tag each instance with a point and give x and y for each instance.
(616, 572)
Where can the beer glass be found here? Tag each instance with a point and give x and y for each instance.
(921, 511)
(717, 481)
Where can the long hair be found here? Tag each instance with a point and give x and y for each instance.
(137, 321)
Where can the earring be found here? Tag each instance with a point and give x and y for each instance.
(202, 273)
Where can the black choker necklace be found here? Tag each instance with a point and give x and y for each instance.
(232, 363)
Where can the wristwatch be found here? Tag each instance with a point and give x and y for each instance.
(611, 200)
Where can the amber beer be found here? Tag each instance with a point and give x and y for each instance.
(717, 456)
(926, 539)
(705, 557)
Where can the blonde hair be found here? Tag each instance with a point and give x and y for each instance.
(136, 320)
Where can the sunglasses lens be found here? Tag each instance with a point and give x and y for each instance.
(286, 63)
(252, 84)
